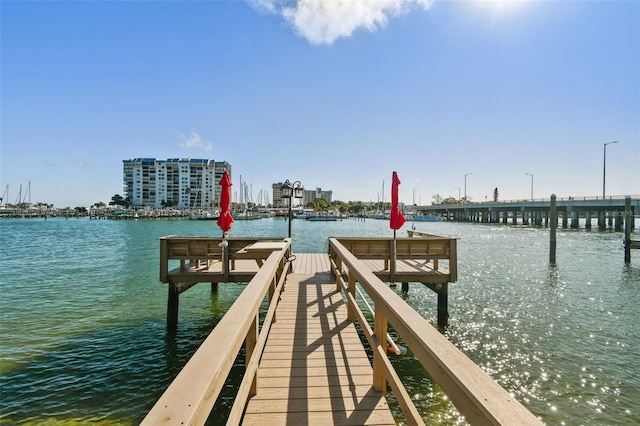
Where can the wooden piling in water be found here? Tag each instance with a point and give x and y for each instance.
(552, 233)
(628, 215)
(172, 307)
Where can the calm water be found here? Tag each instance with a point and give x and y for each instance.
(83, 338)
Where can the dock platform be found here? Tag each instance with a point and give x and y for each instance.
(305, 361)
(314, 369)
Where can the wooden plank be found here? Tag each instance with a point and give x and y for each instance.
(288, 393)
(300, 405)
(314, 368)
(356, 418)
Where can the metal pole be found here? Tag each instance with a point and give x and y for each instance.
(604, 166)
(530, 174)
(465, 186)
(290, 215)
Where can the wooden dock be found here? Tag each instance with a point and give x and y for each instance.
(314, 369)
(305, 360)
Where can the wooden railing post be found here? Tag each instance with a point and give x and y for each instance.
(392, 256)
(351, 310)
(380, 331)
(225, 262)
(250, 344)
(272, 290)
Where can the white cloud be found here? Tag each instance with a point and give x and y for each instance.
(193, 141)
(80, 163)
(324, 21)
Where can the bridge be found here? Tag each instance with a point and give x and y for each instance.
(608, 211)
(305, 363)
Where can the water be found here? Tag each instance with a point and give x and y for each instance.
(83, 337)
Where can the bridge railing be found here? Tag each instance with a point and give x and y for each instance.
(190, 397)
(478, 397)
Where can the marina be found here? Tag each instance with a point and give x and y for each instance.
(559, 338)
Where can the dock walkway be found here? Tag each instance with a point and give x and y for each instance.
(305, 361)
(314, 369)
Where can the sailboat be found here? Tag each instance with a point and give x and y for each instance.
(204, 213)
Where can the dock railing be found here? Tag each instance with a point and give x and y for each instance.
(474, 393)
(430, 248)
(190, 397)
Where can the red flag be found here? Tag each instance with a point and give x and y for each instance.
(397, 218)
(225, 220)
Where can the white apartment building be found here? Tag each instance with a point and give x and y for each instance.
(178, 182)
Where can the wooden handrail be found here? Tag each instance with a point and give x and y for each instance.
(247, 387)
(191, 251)
(190, 397)
(474, 393)
(429, 247)
(402, 396)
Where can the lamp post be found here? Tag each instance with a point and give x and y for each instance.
(604, 165)
(465, 186)
(291, 190)
(530, 174)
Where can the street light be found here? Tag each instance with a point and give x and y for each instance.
(529, 174)
(289, 190)
(604, 166)
(465, 186)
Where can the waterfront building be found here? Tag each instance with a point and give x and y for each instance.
(307, 197)
(178, 182)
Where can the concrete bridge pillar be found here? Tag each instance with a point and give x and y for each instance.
(525, 217)
(575, 216)
(587, 216)
(601, 220)
(619, 221)
(565, 219)
(539, 218)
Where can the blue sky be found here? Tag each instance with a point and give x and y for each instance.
(337, 95)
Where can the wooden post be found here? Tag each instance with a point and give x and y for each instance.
(443, 305)
(380, 330)
(552, 233)
(628, 215)
(225, 263)
(351, 310)
(392, 266)
(250, 345)
(405, 287)
(214, 287)
(272, 292)
(172, 306)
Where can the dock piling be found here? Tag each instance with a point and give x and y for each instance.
(552, 233)
(628, 215)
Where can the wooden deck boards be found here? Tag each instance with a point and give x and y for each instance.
(314, 369)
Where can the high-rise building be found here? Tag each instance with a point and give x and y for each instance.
(177, 182)
(307, 196)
